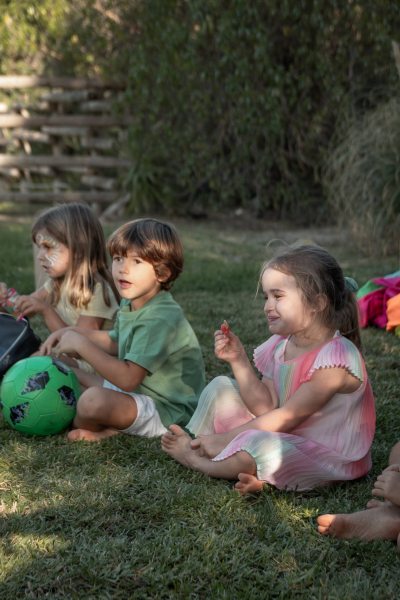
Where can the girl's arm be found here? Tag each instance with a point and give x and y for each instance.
(307, 400)
(258, 396)
(35, 304)
(124, 374)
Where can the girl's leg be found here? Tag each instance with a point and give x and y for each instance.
(178, 446)
(220, 408)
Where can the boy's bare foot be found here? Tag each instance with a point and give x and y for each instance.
(177, 445)
(248, 484)
(382, 522)
(91, 436)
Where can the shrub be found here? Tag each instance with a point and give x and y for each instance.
(233, 97)
(362, 178)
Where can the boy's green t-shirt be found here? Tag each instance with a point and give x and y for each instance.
(159, 338)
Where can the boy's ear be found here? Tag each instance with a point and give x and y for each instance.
(164, 273)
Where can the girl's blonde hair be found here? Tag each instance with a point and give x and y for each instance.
(318, 273)
(77, 227)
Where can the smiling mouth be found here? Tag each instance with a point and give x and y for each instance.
(124, 283)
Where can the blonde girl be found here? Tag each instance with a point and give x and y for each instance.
(310, 419)
(79, 290)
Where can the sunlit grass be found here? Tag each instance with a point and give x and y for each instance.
(122, 520)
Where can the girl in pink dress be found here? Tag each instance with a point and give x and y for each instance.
(310, 419)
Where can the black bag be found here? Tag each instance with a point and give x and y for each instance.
(17, 341)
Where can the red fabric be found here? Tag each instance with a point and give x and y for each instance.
(373, 305)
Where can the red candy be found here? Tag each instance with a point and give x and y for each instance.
(225, 327)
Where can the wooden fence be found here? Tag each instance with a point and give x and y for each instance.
(73, 118)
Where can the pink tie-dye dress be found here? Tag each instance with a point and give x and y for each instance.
(331, 445)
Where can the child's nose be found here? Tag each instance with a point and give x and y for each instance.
(268, 305)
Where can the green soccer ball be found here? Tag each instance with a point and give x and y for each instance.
(39, 395)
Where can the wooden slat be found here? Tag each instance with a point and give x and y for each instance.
(66, 97)
(58, 131)
(21, 162)
(9, 172)
(63, 121)
(96, 106)
(31, 136)
(102, 197)
(97, 182)
(97, 143)
(68, 83)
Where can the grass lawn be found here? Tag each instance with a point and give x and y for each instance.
(122, 520)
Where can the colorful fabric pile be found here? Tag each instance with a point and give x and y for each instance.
(379, 301)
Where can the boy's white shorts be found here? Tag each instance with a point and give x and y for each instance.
(148, 422)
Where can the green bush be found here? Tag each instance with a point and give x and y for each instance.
(236, 99)
(362, 178)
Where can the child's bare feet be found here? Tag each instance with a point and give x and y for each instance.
(90, 436)
(248, 484)
(177, 445)
(210, 445)
(382, 522)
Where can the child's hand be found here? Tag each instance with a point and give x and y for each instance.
(69, 343)
(51, 342)
(3, 292)
(227, 346)
(387, 486)
(209, 445)
(28, 305)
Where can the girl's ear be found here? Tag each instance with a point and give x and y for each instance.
(321, 302)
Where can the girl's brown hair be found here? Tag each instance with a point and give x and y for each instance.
(77, 227)
(155, 242)
(317, 273)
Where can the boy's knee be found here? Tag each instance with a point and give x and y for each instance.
(90, 402)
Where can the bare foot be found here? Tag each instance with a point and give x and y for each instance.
(177, 445)
(382, 522)
(248, 484)
(91, 436)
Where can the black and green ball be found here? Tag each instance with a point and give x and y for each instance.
(39, 395)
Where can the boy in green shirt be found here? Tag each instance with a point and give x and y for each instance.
(159, 373)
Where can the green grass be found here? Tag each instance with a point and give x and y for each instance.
(122, 520)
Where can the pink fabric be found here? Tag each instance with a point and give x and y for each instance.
(334, 443)
(373, 305)
(225, 419)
